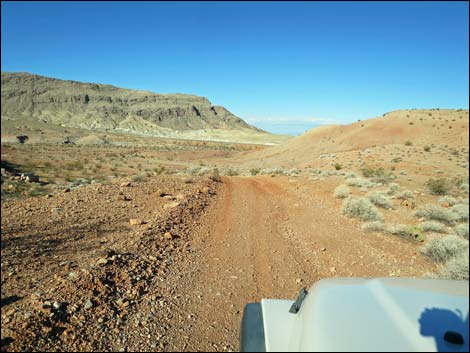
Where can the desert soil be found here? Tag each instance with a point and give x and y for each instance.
(77, 276)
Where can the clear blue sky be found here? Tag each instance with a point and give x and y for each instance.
(283, 66)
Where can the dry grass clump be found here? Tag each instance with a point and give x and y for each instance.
(360, 182)
(437, 213)
(254, 171)
(439, 186)
(451, 201)
(193, 170)
(273, 171)
(461, 211)
(374, 226)
(215, 176)
(399, 192)
(405, 195)
(406, 231)
(341, 192)
(443, 249)
(433, 226)
(456, 268)
(204, 171)
(462, 230)
(377, 175)
(393, 188)
(139, 177)
(361, 208)
(379, 199)
(231, 172)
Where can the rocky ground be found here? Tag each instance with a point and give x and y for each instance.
(78, 267)
(169, 263)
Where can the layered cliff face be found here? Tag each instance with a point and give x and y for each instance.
(104, 107)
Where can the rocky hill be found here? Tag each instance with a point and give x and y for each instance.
(418, 127)
(92, 106)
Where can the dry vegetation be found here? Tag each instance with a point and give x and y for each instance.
(360, 200)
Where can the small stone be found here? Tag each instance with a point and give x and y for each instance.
(56, 305)
(102, 261)
(323, 249)
(171, 205)
(168, 235)
(136, 221)
(10, 312)
(298, 280)
(66, 190)
(48, 196)
(126, 184)
(88, 304)
(333, 269)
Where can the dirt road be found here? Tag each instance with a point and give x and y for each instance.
(180, 281)
(266, 238)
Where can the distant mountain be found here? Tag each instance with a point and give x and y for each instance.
(104, 107)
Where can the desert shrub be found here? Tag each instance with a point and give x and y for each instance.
(273, 171)
(215, 176)
(406, 231)
(408, 143)
(293, 171)
(427, 148)
(374, 226)
(443, 249)
(193, 170)
(361, 208)
(338, 166)
(437, 213)
(393, 188)
(405, 195)
(462, 230)
(159, 170)
(203, 171)
(451, 201)
(461, 183)
(341, 192)
(350, 175)
(379, 199)
(456, 268)
(139, 177)
(377, 175)
(37, 190)
(360, 182)
(254, 171)
(433, 226)
(438, 186)
(231, 172)
(397, 160)
(461, 211)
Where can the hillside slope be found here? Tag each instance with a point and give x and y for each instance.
(420, 127)
(38, 99)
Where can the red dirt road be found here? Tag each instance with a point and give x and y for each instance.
(266, 238)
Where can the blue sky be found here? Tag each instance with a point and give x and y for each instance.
(283, 66)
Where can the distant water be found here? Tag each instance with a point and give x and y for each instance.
(293, 128)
